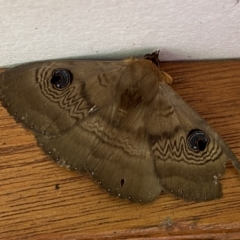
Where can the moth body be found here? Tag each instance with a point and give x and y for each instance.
(122, 123)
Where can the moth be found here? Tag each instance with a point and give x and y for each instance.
(121, 122)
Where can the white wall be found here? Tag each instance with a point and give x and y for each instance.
(182, 29)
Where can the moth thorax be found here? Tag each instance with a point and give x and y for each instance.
(144, 79)
(129, 100)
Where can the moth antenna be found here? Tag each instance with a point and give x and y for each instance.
(154, 57)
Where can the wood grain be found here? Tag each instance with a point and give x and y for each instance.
(40, 200)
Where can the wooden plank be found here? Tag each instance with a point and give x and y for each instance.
(40, 200)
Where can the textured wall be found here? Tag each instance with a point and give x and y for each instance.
(183, 29)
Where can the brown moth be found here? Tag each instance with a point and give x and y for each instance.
(122, 123)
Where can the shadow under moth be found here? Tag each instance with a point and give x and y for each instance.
(121, 122)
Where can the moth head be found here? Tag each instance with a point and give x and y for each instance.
(154, 58)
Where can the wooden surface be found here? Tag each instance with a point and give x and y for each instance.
(40, 200)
